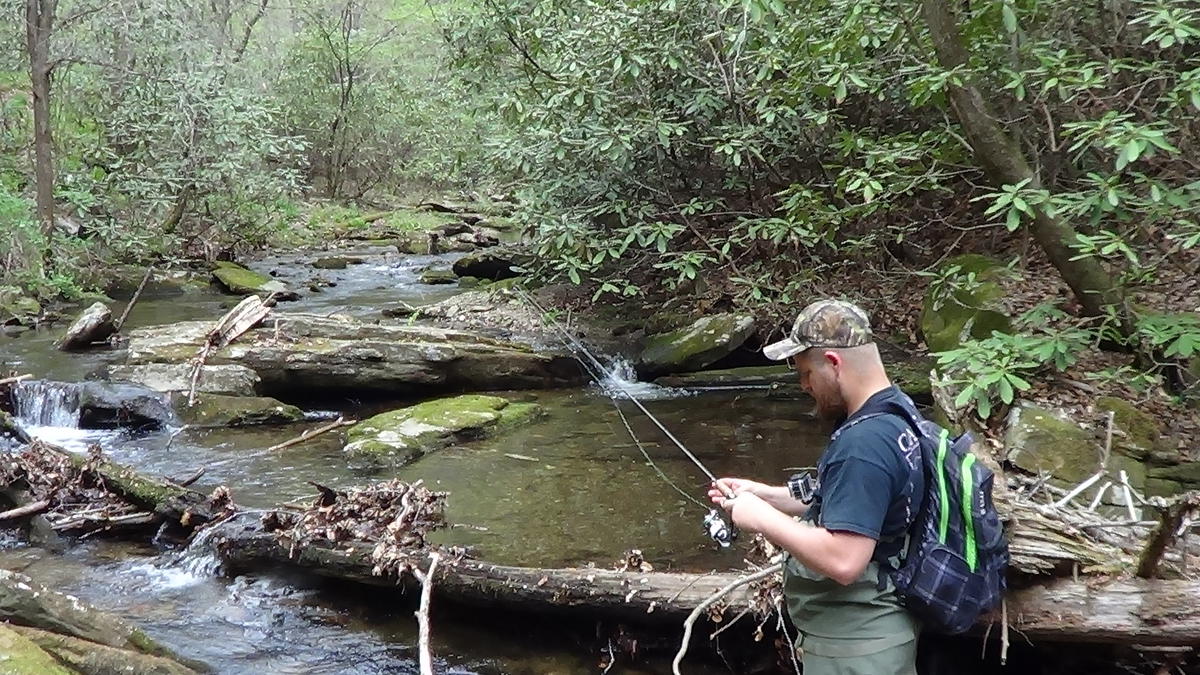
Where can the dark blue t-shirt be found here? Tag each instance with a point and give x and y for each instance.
(869, 478)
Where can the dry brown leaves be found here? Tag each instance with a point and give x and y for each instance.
(394, 516)
(79, 500)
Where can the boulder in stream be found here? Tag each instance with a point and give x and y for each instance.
(438, 276)
(167, 377)
(216, 410)
(402, 436)
(112, 405)
(337, 354)
(238, 280)
(706, 341)
(494, 263)
(94, 324)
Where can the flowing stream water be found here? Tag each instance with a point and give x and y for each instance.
(572, 489)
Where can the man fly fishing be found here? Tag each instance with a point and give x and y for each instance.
(855, 516)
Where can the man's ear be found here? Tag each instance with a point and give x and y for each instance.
(832, 358)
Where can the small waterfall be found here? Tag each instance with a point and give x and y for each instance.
(41, 403)
(199, 560)
(620, 382)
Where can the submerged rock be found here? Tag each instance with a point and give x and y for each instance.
(398, 310)
(94, 324)
(314, 353)
(706, 341)
(238, 280)
(216, 410)
(405, 435)
(168, 377)
(973, 308)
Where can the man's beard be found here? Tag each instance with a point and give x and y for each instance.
(831, 408)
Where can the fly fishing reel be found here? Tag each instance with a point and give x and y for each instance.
(716, 527)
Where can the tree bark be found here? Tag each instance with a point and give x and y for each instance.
(1092, 609)
(1004, 164)
(39, 23)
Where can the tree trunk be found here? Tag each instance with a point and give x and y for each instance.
(39, 22)
(1002, 161)
(1150, 612)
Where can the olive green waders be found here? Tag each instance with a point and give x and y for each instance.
(855, 629)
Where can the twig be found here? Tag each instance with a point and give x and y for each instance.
(729, 624)
(1099, 495)
(27, 510)
(189, 479)
(15, 379)
(426, 580)
(691, 620)
(313, 433)
(1171, 518)
(1078, 489)
(1003, 631)
(1108, 436)
(1128, 495)
(133, 301)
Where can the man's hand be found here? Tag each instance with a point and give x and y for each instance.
(748, 511)
(723, 487)
(775, 495)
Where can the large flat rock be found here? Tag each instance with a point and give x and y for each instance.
(297, 354)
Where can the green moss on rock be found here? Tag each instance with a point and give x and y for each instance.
(1039, 440)
(405, 435)
(1187, 473)
(438, 276)
(1142, 433)
(21, 656)
(241, 281)
(217, 410)
(973, 310)
(700, 344)
(16, 307)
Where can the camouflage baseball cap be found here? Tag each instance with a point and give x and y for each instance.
(825, 323)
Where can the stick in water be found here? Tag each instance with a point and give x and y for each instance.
(426, 580)
(313, 433)
(691, 620)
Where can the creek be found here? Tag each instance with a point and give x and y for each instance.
(572, 489)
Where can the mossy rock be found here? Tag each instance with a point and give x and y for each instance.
(749, 376)
(21, 656)
(438, 277)
(473, 282)
(218, 410)
(1187, 473)
(16, 307)
(974, 311)
(404, 435)
(704, 342)
(1038, 439)
(332, 263)
(913, 378)
(1142, 434)
(238, 280)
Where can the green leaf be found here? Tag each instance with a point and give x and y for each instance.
(1013, 220)
(1010, 17)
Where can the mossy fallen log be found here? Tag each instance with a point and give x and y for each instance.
(1090, 609)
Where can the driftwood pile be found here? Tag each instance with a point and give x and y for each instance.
(88, 495)
(393, 516)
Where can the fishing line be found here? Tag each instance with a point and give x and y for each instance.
(598, 371)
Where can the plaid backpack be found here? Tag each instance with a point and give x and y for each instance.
(954, 567)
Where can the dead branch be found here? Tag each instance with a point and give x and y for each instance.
(26, 510)
(15, 379)
(690, 622)
(426, 579)
(133, 301)
(313, 433)
(1170, 522)
(246, 315)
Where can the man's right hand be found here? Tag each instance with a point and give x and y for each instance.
(723, 488)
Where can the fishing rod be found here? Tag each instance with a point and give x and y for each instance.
(715, 524)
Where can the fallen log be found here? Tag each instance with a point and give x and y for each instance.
(1131, 611)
